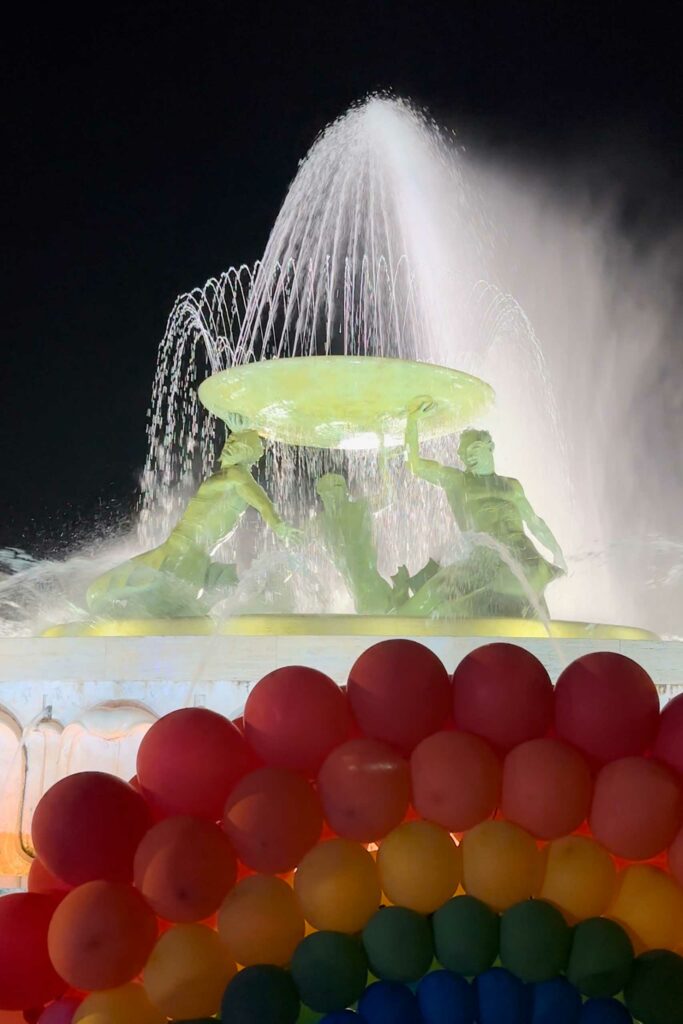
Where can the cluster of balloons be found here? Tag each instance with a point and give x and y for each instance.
(481, 847)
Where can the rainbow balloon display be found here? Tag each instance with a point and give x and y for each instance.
(412, 848)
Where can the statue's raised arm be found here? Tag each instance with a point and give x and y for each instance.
(427, 469)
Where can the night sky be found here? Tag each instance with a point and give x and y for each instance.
(148, 146)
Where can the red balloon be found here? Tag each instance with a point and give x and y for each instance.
(668, 745)
(607, 706)
(675, 857)
(27, 977)
(547, 788)
(272, 818)
(399, 692)
(637, 808)
(189, 761)
(503, 694)
(100, 935)
(364, 786)
(41, 880)
(294, 717)
(88, 826)
(184, 867)
(456, 780)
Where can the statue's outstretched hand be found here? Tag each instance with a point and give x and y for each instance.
(420, 405)
(236, 422)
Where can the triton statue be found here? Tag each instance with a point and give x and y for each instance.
(485, 583)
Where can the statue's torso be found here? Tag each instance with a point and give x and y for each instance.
(214, 510)
(486, 504)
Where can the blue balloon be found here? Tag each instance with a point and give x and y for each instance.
(555, 1002)
(446, 998)
(502, 998)
(389, 1002)
(342, 1017)
(604, 1011)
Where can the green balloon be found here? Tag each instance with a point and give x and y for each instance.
(466, 935)
(261, 994)
(399, 944)
(534, 940)
(601, 957)
(330, 971)
(654, 992)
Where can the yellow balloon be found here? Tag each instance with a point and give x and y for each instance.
(648, 904)
(337, 886)
(502, 864)
(187, 971)
(260, 921)
(420, 866)
(579, 878)
(125, 1005)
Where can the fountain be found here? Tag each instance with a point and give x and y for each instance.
(335, 385)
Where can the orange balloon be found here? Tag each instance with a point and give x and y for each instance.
(100, 935)
(364, 786)
(502, 864)
(187, 972)
(547, 788)
(125, 1005)
(184, 867)
(456, 780)
(261, 922)
(272, 818)
(579, 878)
(637, 808)
(337, 886)
(648, 904)
(42, 880)
(419, 865)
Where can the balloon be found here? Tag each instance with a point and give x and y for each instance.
(456, 780)
(125, 1005)
(184, 867)
(501, 997)
(654, 992)
(41, 880)
(637, 808)
(501, 864)
(87, 826)
(261, 922)
(604, 1011)
(419, 866)
(649, 905)
(294, 717)
(607, 706)
(60, 1012)
(399, 692)
(444, 996)
(27, 977)
(502, 693)
(466, 935)
(534, 940)
(189, 762)
(329, 970)
(187, 971)
(601, 957)
(675, 857)
(547, 788)
(364, 786)
(579, 878)
(272, 818)
(101, 935)
(398, 943)
(668, 745)
(262, 994)
(337, 886)
(555, 1002)
(388, 1002)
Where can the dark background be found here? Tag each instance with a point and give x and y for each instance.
(148, 146)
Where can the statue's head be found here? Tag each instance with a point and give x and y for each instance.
(332, 488)
(243, 447)
(475, 449)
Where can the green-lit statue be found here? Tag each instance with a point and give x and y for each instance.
(179, 578)
(482, 502)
